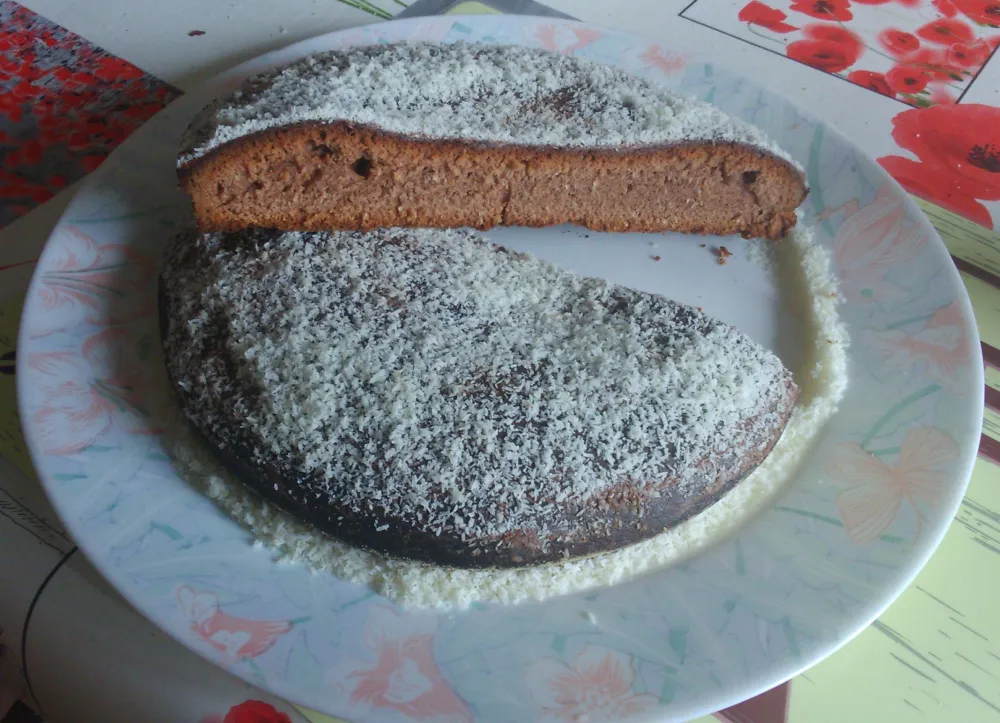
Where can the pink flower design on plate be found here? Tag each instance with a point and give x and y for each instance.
(84, 278)
(597, 685)
(86, 393)
(869, 242)
(236, 637)
(547, 38)
(941, 347)
(875, 490)
(665, 60)
(404, 677)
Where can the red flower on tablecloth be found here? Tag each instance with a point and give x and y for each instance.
(71, 99)
(91, 282)
(931, 183)
(757, 13)
(959, 147)
(942, 95)
(898, 42)
(236, 637)
(904, 79)
(970, 55)
(875, 490)
(936, 63)
(251, 711)
(946, 31)
(827, 48)
(824, 9)
(945, 7)
(596, 685)
(87, 392)
(871, 240)
(871, 81)
(404, 678)
(985, 12)
(255, 711)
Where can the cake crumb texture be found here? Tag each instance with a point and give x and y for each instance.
(454, 135)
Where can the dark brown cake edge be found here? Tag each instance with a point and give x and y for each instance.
(638, 518)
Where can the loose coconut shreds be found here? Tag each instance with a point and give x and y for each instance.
(806, 280)
(474, 92)
(370, 353)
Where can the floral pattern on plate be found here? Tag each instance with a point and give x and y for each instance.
(831, 552)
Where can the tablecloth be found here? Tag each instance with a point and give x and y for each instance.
(66, 102)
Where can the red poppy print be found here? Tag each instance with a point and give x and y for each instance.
(871, 81)
(64, 105)
(757, 13)
(251, 711)
(922, 58)
(904, 79)
(936, 63)
(830, 49)
(964, 137)
(255, 711)
(984, 12)
(970, 55)
(946, 31)
(898, 42)
(940, 95)
(945, 7)
(824, 9)
(935, 185)
(959, 151)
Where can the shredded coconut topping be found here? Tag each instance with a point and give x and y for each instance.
(805, 281)
(432, 378)
(474, 92)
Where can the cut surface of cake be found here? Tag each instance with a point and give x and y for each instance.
(470, 135)
(428, 395)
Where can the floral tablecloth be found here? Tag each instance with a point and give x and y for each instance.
(915, 83)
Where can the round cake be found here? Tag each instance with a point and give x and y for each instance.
(428, 395)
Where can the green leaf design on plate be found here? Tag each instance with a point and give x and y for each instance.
(678, 641)
(559, 644)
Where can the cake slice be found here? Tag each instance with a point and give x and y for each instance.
(428, 395)
(467, 135)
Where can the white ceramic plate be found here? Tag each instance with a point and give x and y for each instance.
(803, 578)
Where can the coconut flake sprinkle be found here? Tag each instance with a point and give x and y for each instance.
(451, 385)
(474, 92)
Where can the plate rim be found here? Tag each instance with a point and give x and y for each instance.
(751, 685)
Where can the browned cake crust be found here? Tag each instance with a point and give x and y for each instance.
(207, 361)
(315, 176)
